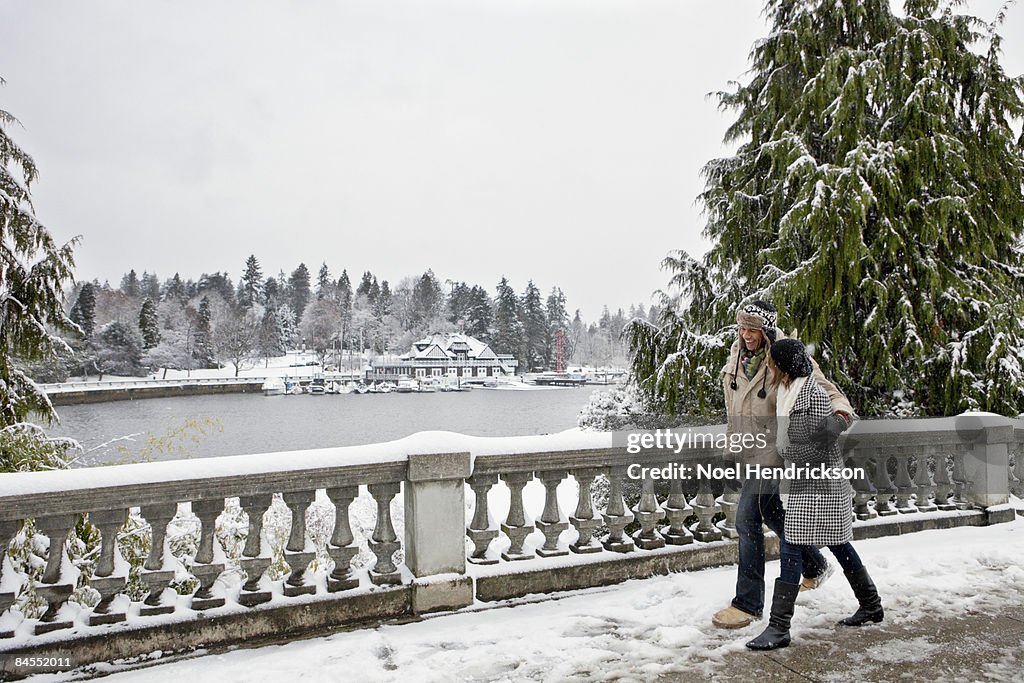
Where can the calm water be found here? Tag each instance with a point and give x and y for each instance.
(234, 424)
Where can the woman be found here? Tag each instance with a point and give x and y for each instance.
(818, 512)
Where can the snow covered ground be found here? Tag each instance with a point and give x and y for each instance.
(634, 631)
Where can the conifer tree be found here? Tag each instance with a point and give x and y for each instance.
(149, 286)
(251, 289)
(480, 314)
(343, 291)
(876, 199)
(299, 290)
(203, 350)
(175, 290)
(534, 325)
(83, 313)
(324, 283)
(508, 330)
(271, 293)
(33, 268)
(149, 325)
(130, 285)
(427, 299)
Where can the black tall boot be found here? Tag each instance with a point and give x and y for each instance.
(777, 633)
(870, 609)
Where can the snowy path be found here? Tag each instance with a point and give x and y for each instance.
(639, 630)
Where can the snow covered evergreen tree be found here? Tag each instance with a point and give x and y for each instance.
(83, 313)
(149, 286)
(270, 338)
(298, 290)
(508, 330)
(324, 283)
(535, 328)
(203, 350)
(119, 350)
(148, 325)
(33, 268)
(479, 314)
(251, 287)
(427, 300)
(876, 199)
(130, 285)
(175, 290)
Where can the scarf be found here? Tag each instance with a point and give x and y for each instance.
(784, 402)
(752, 361)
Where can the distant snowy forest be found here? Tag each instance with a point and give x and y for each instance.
(145, 324)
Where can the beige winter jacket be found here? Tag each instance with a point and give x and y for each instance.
(750, 414)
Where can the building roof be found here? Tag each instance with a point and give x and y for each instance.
(448, 345)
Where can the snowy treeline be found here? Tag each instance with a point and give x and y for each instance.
(144, 324)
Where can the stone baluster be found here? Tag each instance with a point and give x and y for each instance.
(8, 530)
(299, 551)
(959, 478)
(105, 581)
(342, 547)
(943, 484)
(155, 575)
(648, 513)
(479, 530)
(677, 510)
(256, 553)
(861, 482)
(56, 528)
(616, 516)
(584, 520)
(205, 569)
(551, 523)
(706, 507)
(1017, 485)
(904, 485)
(729, 501)
(883, 486)
(516, 526)
(384, 542)
(923, 479)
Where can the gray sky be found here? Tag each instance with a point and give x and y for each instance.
(558, 140)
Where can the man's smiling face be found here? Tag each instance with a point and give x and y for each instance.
(752, 338)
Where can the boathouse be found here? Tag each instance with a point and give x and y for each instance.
(452, 356)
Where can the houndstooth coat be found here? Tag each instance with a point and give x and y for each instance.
(819, 511)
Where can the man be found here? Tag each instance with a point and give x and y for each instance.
(750, 399)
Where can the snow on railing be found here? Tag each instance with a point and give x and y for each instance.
(62, 387)
(307, 497)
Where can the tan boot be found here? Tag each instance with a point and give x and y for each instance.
(732, 617)
(809, 583)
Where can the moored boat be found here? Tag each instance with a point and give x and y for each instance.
(274, 386)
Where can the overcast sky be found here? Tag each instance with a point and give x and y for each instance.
(553, 140)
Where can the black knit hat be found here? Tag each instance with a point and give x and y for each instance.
(791, 357)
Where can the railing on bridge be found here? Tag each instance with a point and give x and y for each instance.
(919, 467)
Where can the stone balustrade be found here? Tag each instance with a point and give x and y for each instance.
(481, 519)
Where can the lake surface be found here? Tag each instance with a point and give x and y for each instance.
(235, 424)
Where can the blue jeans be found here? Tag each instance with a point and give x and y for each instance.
(760, 504)
(791, 557)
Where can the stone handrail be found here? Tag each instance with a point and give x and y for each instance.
(913, 466)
